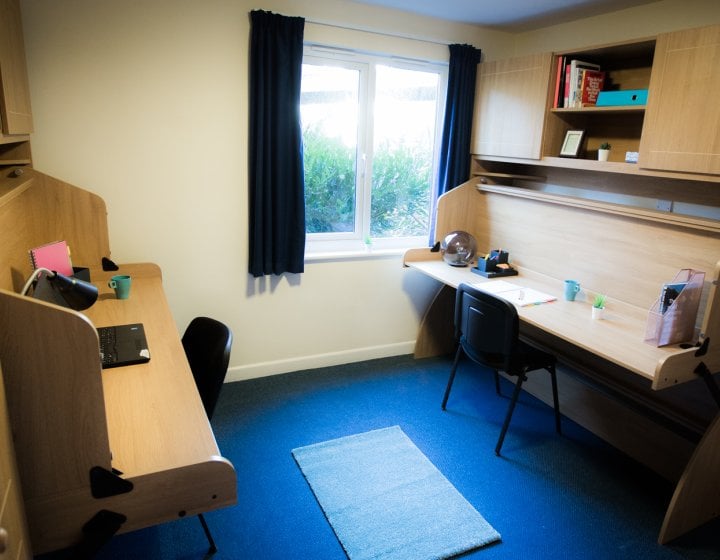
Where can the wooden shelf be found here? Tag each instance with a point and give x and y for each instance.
(491, 177)
(604, 109)
(668, 218)
(14, 139)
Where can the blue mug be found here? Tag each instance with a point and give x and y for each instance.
(121, 285)
(572, 287)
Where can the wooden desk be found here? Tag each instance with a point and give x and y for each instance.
(634, 395)
(617, 338)
(69, 417)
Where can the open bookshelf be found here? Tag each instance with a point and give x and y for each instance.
(627, 66)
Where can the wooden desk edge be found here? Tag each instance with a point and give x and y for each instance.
(155, 498)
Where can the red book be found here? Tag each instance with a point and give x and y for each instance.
(591, 84)
(559, 83)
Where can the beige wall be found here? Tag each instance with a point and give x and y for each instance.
(145, 103)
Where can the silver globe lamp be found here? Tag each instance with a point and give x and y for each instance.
(458, 248)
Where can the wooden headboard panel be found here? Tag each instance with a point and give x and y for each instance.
(36, 209)
(624, 252)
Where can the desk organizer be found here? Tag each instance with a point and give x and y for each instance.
(677, 323)
(489, 267)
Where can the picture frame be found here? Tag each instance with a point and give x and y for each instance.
(572, 143)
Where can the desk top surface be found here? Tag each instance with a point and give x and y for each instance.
(618, 337)
(155, 417)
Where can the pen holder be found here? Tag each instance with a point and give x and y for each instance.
(484, 265)
(489, 267)
(499, 256)
(495, 258)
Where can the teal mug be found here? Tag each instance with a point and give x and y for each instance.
(572, 287)
(121, 285)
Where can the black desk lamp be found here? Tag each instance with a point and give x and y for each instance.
(61, 290)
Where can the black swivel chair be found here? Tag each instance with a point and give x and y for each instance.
(207, 345)
(487, 330)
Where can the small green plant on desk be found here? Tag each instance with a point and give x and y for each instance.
(605, 146)
(598, 306)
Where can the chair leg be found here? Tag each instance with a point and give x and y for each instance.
(509, 414)
(553, 378)
(452, 376)
(211, 542)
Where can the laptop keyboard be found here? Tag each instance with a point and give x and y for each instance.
(108, 355)
(122, 345)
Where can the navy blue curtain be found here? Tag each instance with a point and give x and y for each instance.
(454, 165)
(276, 180)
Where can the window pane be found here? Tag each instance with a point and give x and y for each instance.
(404, 138)
(329, 113)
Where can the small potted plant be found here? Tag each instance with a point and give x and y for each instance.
(604, 151)
(598, 307)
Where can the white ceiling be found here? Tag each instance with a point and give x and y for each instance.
(509, 15)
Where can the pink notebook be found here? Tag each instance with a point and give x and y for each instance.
(53, 256)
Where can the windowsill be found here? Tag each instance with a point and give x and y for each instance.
(330, 256)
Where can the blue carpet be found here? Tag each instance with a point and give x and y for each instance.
(386, 501)
(551, 497)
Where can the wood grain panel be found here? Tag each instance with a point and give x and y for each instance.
(15, 113)
(626, 257)
(54, 389)
(681, 124)
(12, 509)
(510, 102)
(36, 209)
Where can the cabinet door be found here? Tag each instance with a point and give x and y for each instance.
(15, 114)
(681, 131)
(510, 101)
(14, 541)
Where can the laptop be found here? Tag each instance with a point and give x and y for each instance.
(123, 345)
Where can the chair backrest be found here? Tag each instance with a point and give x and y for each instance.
(487, 327)
(207, 345)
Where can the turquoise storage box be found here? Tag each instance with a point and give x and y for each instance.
(622, 97)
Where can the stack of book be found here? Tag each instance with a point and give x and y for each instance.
(577, 83)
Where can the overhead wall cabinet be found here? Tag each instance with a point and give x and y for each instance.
(510, 106)
(15, 114)
(682, 123)
(676, 133)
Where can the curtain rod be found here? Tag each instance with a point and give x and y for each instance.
(385, 33)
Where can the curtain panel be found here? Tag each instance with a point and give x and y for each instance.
(454, 165)
(276, 179)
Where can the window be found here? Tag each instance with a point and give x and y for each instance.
(371, 127)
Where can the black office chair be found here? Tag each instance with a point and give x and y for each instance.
(207, 345)
(487, 330)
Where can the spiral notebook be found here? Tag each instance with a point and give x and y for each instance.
(54, 256)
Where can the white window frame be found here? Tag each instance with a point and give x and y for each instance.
(324, 244)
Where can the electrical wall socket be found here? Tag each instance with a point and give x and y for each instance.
(665, 205)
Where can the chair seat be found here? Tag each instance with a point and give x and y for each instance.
(526, 358)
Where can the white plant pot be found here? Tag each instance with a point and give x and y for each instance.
(603, 155)
(598, 312)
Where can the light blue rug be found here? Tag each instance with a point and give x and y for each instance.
(385, 500)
